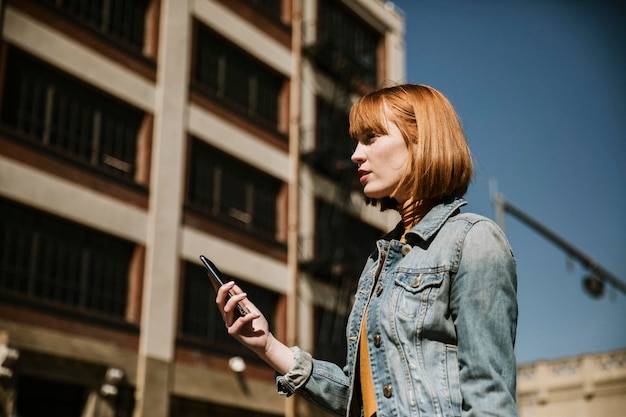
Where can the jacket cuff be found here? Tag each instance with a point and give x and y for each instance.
(297, 376)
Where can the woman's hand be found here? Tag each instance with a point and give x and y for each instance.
(252, 329)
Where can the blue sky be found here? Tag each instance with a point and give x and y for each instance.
(541, 92)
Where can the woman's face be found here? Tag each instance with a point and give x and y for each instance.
(381, 163)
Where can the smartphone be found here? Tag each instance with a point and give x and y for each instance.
(216, 280)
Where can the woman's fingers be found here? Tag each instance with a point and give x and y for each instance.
(231, 304)
(228, 304)
(222, 294)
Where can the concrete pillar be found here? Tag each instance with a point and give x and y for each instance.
(158, 319)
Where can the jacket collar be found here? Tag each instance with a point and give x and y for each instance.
(431, 223)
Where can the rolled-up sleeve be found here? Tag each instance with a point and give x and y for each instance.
(298, 374)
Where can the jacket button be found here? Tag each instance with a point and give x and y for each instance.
(417, 281)
(387, 391)
(379, 289)
(406, 249)
(377, 340)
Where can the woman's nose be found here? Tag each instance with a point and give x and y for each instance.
(358, 156)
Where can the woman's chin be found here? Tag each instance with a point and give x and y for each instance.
(369, 194)
(376, 193)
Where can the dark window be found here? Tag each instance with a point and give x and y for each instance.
(225, 73)
(270, 8)
(48, 385)
(224, 188)
(184, 407)
(342, 245)
(334, 147)
(42, 397)
(330, 339)
(47, 108)
(123, 21)
(346, 46)
(201, 321)
(49, 259)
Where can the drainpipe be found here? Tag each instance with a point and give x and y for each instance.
(293, 194)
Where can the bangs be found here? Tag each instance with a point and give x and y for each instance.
(367, 116)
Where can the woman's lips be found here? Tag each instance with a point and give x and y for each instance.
(363, 175)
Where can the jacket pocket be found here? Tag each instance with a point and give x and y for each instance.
(415, 289)
(454, 385)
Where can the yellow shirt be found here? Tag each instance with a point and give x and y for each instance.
(367, 385)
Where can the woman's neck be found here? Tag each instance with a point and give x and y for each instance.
(411, 212)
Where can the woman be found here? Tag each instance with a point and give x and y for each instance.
(432, 328)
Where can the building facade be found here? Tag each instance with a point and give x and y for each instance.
(581, 386)
(136, 135)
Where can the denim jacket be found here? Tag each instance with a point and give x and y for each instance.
(441, 323)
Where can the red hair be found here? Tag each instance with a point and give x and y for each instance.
(440, 163)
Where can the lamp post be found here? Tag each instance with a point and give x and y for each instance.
(594, 281)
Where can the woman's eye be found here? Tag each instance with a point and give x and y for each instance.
(370, 138)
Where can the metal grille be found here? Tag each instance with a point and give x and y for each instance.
(68, 117)
(225, 188)
(201, 317)
(347, 45)
(342, 243)
(53, 260)
(123, 21)
(330, 335)
(334, 146)
(244, 85)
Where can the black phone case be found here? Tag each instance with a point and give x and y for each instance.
(216, 280)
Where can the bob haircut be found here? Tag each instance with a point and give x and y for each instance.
(440, 163)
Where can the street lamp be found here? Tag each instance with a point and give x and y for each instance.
(593, 286)
(594, 282)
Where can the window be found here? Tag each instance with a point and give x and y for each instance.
(184, 407)
(224, 188)
(330, 336)
(342, 244)
(55, 261)
(54, 385)
(39, 397)
(228, 75)
(123, 21)
(334, 146)
(201, 321)
(346, 46)
(45, 107)
(270, 8)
